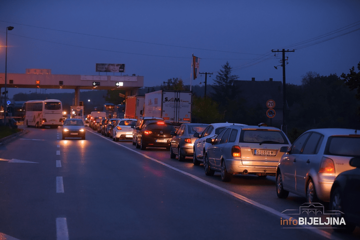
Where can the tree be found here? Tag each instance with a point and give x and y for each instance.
(174, 84)
(112, 96)
(352, 80)
(205, 110)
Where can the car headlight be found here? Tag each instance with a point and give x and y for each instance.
(66, 130)
(82, 130)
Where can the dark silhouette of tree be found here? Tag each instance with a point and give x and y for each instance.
(352, 80)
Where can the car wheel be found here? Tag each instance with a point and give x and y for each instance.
(208, 170)
(63, 137)
(180, 156)
(113, 139)
(27, 123)
(311, 192)
(225, 176)
(134, 142)
(337, 204)
(195, 161)
(172, 155)
(142, 145)
(83, 138)
(37, 125)
(281, 193)
(116, 139)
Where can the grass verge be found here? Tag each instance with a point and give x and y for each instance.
(7, 131)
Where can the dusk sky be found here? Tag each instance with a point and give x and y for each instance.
(156, 39)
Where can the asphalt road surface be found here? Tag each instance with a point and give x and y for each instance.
(100, 189)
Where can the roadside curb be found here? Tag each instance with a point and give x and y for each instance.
(12, 137)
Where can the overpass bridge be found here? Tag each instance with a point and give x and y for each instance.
(42, 78)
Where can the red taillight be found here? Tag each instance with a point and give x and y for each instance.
(327, 165)
(236, 151)
(187, 140)
(118, 128)
(161, 123)
(147, 132)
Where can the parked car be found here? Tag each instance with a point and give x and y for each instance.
(311, 165)
(155, 133)
(345, 196)
(245, 150)
(124, 129)
(138, 126)
(101, 128)
(182, 142)
(73, 128)
(109, 126)
(200, 145)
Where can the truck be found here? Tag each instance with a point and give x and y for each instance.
(134, 107)
(174, 106)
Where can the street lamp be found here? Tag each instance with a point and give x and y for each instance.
(9, 28)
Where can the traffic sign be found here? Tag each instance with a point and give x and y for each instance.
(96, 83)
(270, 103)
(119, 84)
(8, 102)
(270, 113)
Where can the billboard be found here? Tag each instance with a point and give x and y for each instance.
(110, 67)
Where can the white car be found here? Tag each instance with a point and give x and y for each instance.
(200, 145)
(124, 129)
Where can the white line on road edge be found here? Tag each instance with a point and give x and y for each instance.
(236, 195)
(58, 163)
(59, 185)
(62, 232)
(57, 152)
(58, 145)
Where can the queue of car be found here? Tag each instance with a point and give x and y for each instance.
(319, 165)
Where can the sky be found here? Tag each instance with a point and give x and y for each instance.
(157, 38)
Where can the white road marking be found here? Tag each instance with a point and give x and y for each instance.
(62, 232)
(14, 161)
(6, 237)
(57, 152)
(58, 163)
(59, 185)
(236, 195)
(31, 140)
(58, 145)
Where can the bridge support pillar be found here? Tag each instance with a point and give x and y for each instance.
(77, 96)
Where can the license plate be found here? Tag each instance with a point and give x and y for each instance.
(161, 140)
(73, 133)
(261, 152)
(129, 136)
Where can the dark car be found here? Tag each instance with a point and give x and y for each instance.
(73, 128)
(110, 125)
(182, 143)
(345, 196)
(138, 126)
(155, 134)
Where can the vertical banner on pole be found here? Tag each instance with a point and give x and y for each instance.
(195, 63)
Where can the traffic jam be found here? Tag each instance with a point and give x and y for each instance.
(320, 166)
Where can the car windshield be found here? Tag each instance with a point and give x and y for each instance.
(73, 123)
(52, 105)
(196, 128)
(262, 136)
(343, 146)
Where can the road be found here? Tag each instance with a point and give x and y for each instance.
(100, 189)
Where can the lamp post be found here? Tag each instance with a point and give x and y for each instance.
(9, 28)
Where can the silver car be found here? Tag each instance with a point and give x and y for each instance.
(245, 150)
(124, 129)
(311, 165)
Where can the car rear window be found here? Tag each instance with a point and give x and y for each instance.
(53, 105)
(344, 146)
(126, 122)
(260, 136)
(196, 128)
(163, 127)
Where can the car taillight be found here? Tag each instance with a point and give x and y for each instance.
(118, 128)
(327, 165)
(44, 120)
(161, 123)
(147, 132)
(236, 151)
(187, 140)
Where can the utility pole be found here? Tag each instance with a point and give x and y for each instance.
(284, 126)
(206, 73)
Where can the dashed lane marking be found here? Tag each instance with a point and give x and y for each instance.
(236, 195)
(58, 163)
(59, 185)
(62, 232)
(58, 152)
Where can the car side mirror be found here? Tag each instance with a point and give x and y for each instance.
(196, 135)
(285, 149)
(355, 162)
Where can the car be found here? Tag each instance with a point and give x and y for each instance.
(182, 142)
(155, 133)
(138, 126)
(73, 128)
(345, 196)
(316, 157)
(200, 145)
(110, 125)
(100, 125)
(124, 129)
(245, 150)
